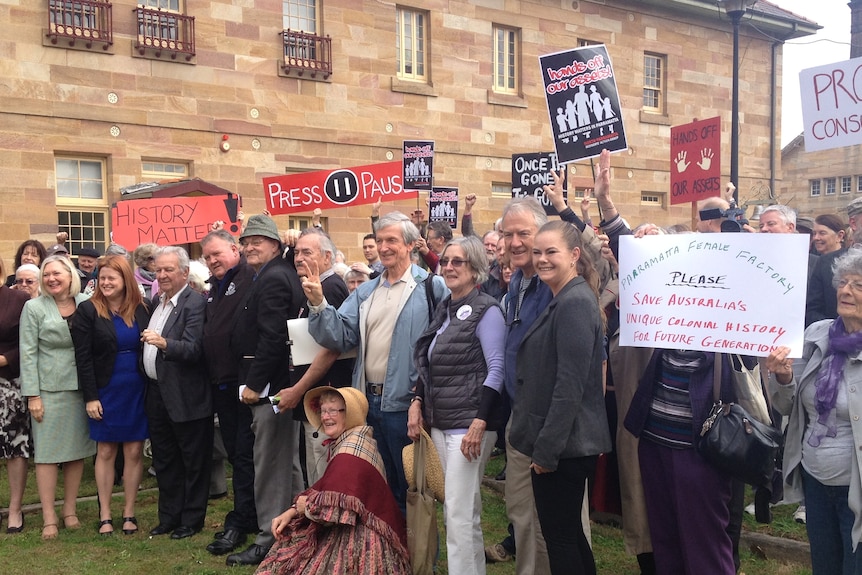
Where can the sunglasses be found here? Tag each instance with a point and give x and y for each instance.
(456, 263)
(28, 282)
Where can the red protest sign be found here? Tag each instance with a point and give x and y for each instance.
(171, 221)
(695, 161)
(327, 189)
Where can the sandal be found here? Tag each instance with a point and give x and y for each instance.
(50, 531)
(104, 522)
(67, 521)
(132, 520)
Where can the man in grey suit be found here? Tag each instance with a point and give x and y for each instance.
(178, 398)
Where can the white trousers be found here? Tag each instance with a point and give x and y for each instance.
(465, 547)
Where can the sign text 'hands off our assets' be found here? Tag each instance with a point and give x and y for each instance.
(734, 293)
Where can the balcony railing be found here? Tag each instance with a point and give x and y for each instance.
(162, 31)
(87, 21)
(304, 52)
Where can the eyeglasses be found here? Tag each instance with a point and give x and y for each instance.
(28, 282)
(856, 286)
(331, 412)
(456, 263)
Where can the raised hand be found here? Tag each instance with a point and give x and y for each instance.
(311, 283)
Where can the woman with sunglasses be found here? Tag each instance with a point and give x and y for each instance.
(27, 278)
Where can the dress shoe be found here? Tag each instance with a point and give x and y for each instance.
(10, 530)
(184, 531)
(226, 541)
(251, 556)
(162, 529)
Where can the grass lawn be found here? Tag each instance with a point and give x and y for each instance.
(85, 552)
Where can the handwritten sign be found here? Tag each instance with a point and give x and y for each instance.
(171, 221)
(695, 161)
(832, 105)
(734, 293)
(418, 164)
(532, 171)
(327, 189)
(583, 103)
(443, 206)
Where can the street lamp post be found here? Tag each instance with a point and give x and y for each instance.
(735, 9)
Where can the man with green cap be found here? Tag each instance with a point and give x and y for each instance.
(259, 343)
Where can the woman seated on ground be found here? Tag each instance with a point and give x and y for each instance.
(818, 391)
(347, 522)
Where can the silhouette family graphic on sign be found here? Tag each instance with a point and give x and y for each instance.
(443, 205)
(583, 103)
(418, 164)
(417, 168)
(443, 211)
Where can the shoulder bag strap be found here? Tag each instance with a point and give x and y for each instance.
(716, 377)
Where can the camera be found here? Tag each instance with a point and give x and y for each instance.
(735, 218)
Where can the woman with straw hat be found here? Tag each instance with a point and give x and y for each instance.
(348, 522)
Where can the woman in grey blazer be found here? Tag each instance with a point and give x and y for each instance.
(558, 417)
(49, 380)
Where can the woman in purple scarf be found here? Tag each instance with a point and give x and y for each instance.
(822, 393)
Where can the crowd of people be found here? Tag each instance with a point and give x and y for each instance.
(509, 339)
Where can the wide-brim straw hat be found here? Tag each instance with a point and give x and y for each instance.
(355, 403)
(433, 468)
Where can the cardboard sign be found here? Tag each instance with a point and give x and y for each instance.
(583, 103)
(695, 161)
(832, 105)
(443, 206)
(418, 164)
(532, 171)
(327, 189)
(734, 293)
(171, 221)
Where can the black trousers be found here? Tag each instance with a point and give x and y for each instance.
(182, 458)
(235, 423)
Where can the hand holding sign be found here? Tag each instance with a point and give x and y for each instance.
(311, 283)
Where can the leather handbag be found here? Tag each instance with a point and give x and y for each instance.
(734, 442)
(421, 514)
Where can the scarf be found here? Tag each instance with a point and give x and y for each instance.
(841, 345)
(148, 280)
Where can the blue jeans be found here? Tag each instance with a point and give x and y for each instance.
(829, 522)
(390, 431)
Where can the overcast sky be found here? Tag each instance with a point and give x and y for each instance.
(831, 44)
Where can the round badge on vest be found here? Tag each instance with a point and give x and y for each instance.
(464, 312)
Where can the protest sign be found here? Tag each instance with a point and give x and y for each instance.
(532, 171)
(735, 293)
(583, 103)
(171, 221)
(695, 158)
(418, 164)
(327, 189)
(832, 105)
(443, 206)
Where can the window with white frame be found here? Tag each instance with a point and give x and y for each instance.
(171, 5)
(82, 205)
(157, 170)
(830, 186)
(507, 55)
(846, 184)
(814, 187)
(655, 199)
(411, 44)
(300, 15)
(501, 190)
(653, 82)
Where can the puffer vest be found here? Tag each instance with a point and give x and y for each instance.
(453, 378)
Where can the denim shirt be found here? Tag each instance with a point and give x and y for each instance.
(344, 329)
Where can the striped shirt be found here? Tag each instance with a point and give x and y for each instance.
(670, 417)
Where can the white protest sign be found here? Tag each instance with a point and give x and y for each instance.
(832, 105)
(735, 293)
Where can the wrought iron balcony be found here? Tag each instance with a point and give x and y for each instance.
(160, 31)
(307, 53)
(85, 21)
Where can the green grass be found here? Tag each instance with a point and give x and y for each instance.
(85, 552)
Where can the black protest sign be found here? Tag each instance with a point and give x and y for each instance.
(418, 162)
(443, 206)
(530, 172)
(583, 103)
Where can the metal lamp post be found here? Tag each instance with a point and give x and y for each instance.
(735, 9)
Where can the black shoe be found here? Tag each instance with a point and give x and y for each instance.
(251, 556)
(12, 530)
(226, 541)
(162, 529)
(221, 495)
(184, 531)
(502, 475)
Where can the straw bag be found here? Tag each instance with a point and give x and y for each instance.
(421, 512)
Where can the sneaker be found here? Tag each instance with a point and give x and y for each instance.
(749, 508)
(497, 554)
(799, 514)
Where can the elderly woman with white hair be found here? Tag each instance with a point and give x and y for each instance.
(27, 279)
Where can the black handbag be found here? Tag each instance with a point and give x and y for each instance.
(734, 442)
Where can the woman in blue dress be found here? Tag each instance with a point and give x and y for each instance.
(107, 336)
